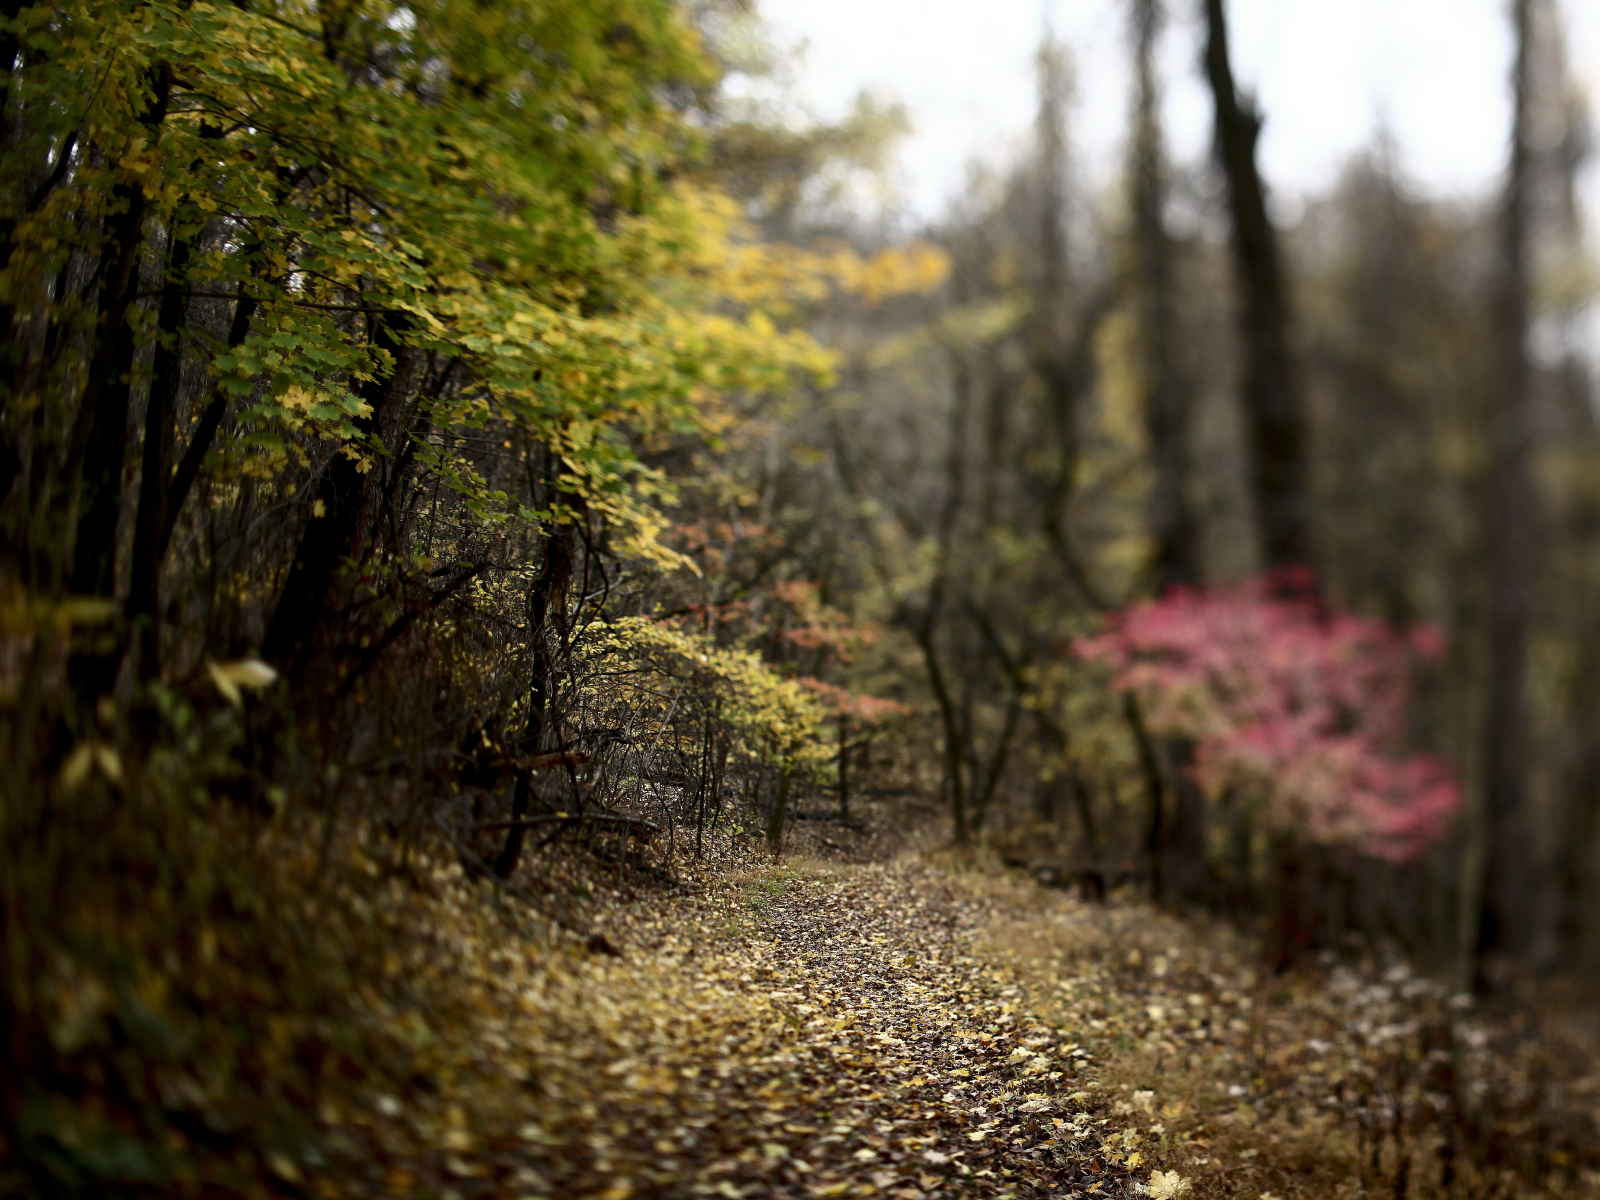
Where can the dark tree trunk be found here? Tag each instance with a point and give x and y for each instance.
(100, 437)
(205, 432)
(547, 616)
(1155, 795)
(1175, 560)
(1172, 521)
(1273, 411)
(844, 768)
(780, 810)
(342, 491)
(1503, 924)
(151, 523)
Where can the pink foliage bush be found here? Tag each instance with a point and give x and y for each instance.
(1290, 704)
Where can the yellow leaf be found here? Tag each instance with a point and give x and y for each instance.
(76, 769)
(109, 763)
(246, 672)
(283, 1167)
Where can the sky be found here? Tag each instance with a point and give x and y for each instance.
(1327, 73)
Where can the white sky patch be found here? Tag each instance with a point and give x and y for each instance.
(1326, 71)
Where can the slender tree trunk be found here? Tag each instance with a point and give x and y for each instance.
(1173, 529)
(547, 612)
(100, 438)
(954, 765)
(1503, 924)
(1081, 799)
(780, 810)
(342, 493)
(1172, 522)
(926, 630)
(844, 768)
(151, 523)
(205, 432)
(997, 762)
(1060, 360)
(1155, 793)
(1187, 873)
(1272, 402)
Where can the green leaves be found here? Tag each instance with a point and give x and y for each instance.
(488, 171)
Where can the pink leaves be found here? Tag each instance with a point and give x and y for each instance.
(1293, 705)
(856, 707)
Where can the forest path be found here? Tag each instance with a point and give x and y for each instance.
(827, 1033)
(900, 1029)
(912, 1069)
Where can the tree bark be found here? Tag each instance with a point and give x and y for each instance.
(547, 614)
(780, 809)
(100, 437)
(1166, 412)
(205, 432)
(1273, 410)
(1503, 920)
(150, 523)
(342, 491)
(1155, 794)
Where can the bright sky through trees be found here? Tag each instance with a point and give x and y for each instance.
(1326, 70)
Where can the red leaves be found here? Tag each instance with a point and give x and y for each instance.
(858, 707)
(1293, 704)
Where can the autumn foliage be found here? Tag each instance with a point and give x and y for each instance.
(1293, 705)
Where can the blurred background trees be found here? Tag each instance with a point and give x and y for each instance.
(1121, 391)
(483, 432)
(557, 444)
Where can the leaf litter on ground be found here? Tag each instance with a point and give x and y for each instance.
(827, 1032)
(917, 1028)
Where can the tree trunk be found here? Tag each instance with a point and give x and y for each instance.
(1273, 411)
(1155, 793)
(780, 809)
(1503, 922)
(926, 630)
(342, 491)
(954, 759)
(205, 432)
(844, 768)
(100, 438)
(547, 614)
(150, 523)
(1166, 411)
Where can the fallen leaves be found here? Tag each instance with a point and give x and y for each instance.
(843, 1037)
(1166, 1185)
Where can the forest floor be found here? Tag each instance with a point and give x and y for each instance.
(911, 1024)
(820, 1030)
(904, 1029)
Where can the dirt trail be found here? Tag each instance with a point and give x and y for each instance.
(912, 1070)
(888, 1030)
(826, 1034)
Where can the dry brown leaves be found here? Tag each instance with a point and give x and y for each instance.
(903, 1030)
(1344, 1078)
(820, 1033)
